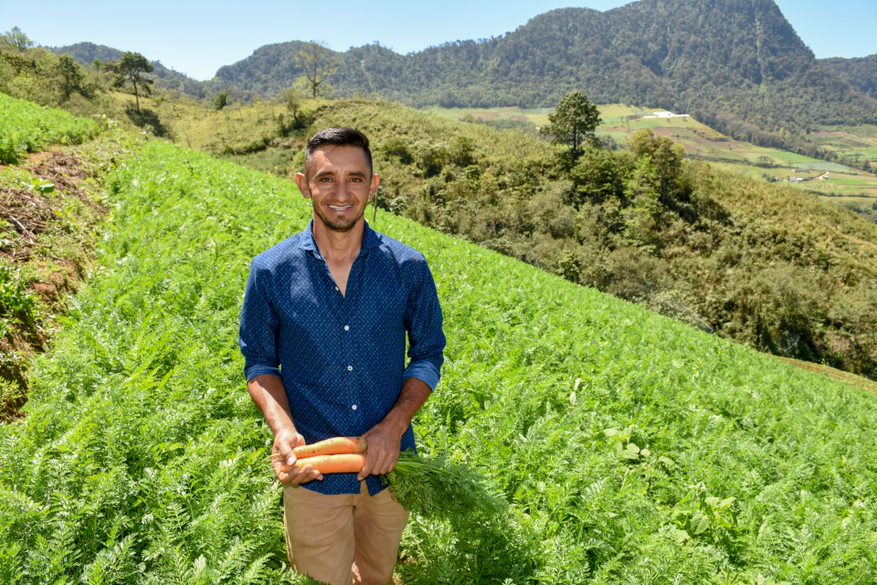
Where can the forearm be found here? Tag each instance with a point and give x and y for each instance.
(385, 438)
(414, 395)
(269, 395)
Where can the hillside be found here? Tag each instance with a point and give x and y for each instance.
(717, 250)
(89, 53)
(729, 254)
(624, 447)
(48, 213)
(737, 66)
(861, 72)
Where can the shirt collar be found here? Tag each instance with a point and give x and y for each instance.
(370, 240)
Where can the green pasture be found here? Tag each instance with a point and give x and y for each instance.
(625, 447)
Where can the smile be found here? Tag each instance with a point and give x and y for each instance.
(340, 207)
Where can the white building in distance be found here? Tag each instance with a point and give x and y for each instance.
(666, 114)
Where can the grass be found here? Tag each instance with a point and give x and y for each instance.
(624, 447)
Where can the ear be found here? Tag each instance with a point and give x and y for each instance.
(373, 188)
(301, 182)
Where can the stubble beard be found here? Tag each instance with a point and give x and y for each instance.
(336, 226)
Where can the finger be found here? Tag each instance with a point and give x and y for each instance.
(285, 453)
(302, 474)
(306, 476)
(388, 464)
(376, 465)
(366, 467)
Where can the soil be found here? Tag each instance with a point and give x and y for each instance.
(27, 215)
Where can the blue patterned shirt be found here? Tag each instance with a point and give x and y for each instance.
(342, 357)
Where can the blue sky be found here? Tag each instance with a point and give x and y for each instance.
(197, 37)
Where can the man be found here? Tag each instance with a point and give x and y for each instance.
(323, 331)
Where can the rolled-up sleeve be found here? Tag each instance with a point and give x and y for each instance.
(258, 329)
(423, 320)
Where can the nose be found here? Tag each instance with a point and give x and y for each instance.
(342, 192)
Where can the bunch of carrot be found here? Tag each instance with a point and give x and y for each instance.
(334, 455)
(430, 487)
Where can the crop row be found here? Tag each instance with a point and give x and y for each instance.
(27, 127)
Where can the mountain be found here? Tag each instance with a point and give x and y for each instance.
(859, 72)
(738, 65)
(88, 53)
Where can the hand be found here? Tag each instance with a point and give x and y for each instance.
(383, 451)
(283, 458)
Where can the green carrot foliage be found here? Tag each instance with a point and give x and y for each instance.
(26, 127)
(589, 440)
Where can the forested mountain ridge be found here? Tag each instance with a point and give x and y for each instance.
(737, 65)
(90, 53)
(860, 72)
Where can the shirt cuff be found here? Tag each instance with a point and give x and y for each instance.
(425, 371)
(259, 370)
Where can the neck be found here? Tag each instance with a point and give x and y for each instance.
(338, 246)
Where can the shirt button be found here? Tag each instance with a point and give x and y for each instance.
(337, 289)
(353, 407)
(347, 328)
(349, 368)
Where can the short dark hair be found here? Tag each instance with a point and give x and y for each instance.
(338, 137)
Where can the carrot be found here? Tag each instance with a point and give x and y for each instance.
(333, 446)
(343, 463)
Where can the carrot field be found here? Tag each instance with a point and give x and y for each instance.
(617, 445)
(26, 127)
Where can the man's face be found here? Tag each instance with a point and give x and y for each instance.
(339, 183)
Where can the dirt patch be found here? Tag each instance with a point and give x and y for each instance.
(26, 215)
(66, 171)
(839, 375)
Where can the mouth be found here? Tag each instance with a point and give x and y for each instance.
(340, 207)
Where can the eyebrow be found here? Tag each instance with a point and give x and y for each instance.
(332, 172)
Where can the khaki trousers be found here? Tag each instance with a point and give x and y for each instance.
(343, 539)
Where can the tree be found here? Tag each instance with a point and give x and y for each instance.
(17, 39)
(573, 123)
(318, 64)
(660, 160)
(599, 175)
(71, 76)
(221, 100)
(130, 69)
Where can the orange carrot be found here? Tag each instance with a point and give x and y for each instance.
(344, 463)
(333, 446)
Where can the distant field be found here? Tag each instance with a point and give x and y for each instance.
(838, 182)
(858, 143)
(538, 116)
